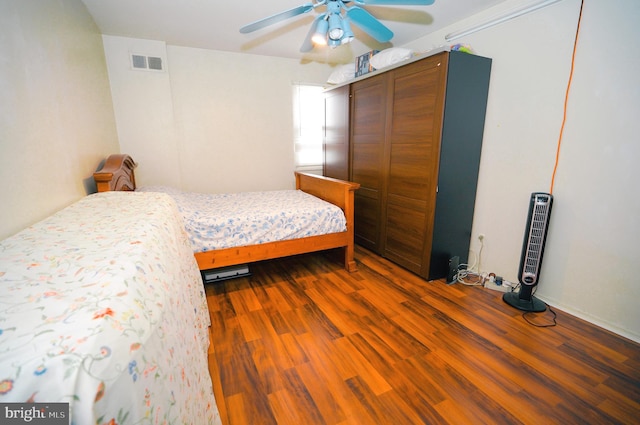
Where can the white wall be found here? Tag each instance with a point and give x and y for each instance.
(56, 115)
(592, 247)
(214, 121)
(143, 107)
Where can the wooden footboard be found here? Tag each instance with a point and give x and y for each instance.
(335, 191)
(117, 174)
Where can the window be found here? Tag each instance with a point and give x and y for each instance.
(308, 122)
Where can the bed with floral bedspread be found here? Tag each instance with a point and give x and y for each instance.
(217, 221)
(103, 307)
(117, 174)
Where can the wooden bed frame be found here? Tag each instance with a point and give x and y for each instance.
(117, 175)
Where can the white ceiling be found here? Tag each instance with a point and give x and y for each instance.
(215, 24)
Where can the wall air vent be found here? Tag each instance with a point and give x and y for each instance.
(139, 62)
(152, 63)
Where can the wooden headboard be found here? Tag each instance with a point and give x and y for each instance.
(116, 174)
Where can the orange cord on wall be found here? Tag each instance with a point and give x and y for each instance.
(566, 99)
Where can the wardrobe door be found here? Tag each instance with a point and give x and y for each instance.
(336, 133)
(367, 149)
(413, 139)
(467, 90)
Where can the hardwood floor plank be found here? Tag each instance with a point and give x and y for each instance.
(606, 365)
(537, 376)
(412, 381)
(321, 360)
(252, 330)
(385, 302)
(244, 301)
(278, 300)
(293, 349)
(452, 413)
(402, 343)
(460, 389)
(237, 411)
(270, 375)
(330, 409)
(318, 323)
(293, 405)
(214, 371)
(302, 341)
(385, 408)
(379, 356)
(361, 366)
(619, 406)
(344, 320)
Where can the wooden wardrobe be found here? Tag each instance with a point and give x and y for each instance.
(412, 137)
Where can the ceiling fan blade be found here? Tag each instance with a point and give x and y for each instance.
(307, 45)
(369, 24)
(397, 2)
(262, 23)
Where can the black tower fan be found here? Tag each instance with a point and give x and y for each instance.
(532, 249)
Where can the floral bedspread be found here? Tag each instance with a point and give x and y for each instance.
(215, 221)
(102, 306)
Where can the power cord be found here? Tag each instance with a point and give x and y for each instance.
(464, 275)
(466, 272)
(554, 322)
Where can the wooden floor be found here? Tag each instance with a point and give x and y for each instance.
(302, 341)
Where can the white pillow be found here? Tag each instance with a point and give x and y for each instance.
(390, 56)
(342, 73)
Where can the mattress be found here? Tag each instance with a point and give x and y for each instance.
(103, 308)
(216, 221)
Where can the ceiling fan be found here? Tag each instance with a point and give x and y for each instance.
(333, 26)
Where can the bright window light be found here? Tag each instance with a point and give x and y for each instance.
(308, 122)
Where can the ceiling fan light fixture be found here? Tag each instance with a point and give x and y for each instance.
(334, 43)
(348, 33)
(335, 27)
(332, 27)
(320, 36)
